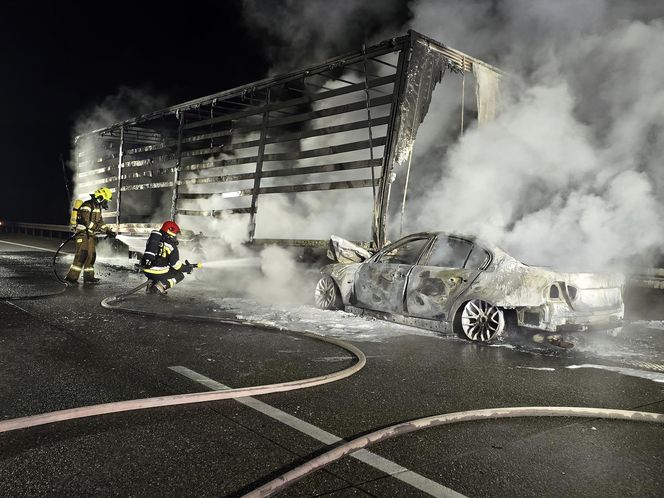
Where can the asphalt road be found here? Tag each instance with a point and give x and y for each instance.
(63, 350)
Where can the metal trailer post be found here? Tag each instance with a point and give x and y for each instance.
(368, 99)
(381, 206)
(176, 169)
(259, 169)
(118, 189)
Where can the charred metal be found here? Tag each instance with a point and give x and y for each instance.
(251, 134)
(469, 285)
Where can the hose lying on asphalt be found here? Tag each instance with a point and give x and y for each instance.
(34, 296)
(57, 253)
(203, 397)
(55, 272)
(294, 475)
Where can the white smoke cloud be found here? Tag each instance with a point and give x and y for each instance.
(570, 173)
(126, 103)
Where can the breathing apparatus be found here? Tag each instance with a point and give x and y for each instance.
(74, 212)
(101, 196)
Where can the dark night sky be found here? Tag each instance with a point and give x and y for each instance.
(58, 59)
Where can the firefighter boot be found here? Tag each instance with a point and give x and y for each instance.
(161, 288)
(89, 277)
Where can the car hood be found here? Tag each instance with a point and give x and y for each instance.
(345, 251)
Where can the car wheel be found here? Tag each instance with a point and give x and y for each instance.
(327, 294)
(480, 321)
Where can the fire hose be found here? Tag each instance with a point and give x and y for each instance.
(53, 266)
(292, 476)
(55, 272)
(202, 397)
(57, 253)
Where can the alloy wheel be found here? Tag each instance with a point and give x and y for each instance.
(326, 295)
(481, 321)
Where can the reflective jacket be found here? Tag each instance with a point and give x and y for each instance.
(162, 250)
(89, 218)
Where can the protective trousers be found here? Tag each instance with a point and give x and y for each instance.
(169, 279)
(84, 258)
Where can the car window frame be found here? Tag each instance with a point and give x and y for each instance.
(487, 261)
(438, 236)
(473, 244)
(394, 245)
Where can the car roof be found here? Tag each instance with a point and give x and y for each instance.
(471, 238)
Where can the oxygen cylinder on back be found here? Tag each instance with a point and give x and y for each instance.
(74, 212)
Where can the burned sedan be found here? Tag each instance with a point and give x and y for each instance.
(442, 281)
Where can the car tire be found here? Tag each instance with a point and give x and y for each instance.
(327, 295)
(479, 321)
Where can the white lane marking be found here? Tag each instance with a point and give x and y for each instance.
(547, 369)
(383, 464)
(26, 245)
(654, 376)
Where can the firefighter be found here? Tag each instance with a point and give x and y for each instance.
(161, 259)
(88, 223)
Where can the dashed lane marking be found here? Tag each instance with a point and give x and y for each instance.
(387, 466)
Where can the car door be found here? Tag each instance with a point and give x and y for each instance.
(381, 281)
(449, 268)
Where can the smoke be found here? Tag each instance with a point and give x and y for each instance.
(126, 103)
(298, 33)
(570, 173)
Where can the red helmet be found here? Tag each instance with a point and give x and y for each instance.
(170, 227)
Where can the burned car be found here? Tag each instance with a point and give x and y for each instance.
(444, 281)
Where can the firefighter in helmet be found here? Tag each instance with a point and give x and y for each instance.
(161, 259)
(88, 223)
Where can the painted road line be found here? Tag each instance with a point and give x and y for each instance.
(383, 464)
(654, 376)
(26, 245)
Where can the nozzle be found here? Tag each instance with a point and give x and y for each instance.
(199, 265)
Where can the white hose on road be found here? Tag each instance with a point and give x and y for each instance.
(182, 399)
(289, 478)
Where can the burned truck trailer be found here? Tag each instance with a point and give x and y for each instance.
(347, 123)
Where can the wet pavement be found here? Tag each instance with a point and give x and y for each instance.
(63, 350)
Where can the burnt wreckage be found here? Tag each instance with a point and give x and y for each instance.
(454, 282)
(217, 156)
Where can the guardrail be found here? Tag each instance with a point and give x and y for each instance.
(39, 229)
(652, 278)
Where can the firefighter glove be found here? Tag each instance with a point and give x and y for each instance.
(146, 262)
(187, 267)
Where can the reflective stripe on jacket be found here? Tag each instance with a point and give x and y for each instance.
(89, 218)
(165, 251)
